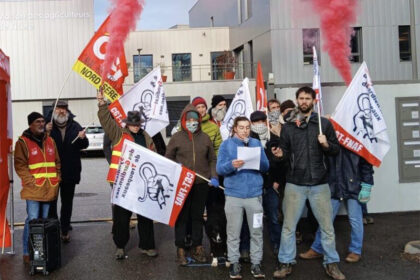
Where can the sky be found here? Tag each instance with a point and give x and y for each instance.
(157, 14)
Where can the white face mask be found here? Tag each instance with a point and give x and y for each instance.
(218, 114)
(192, 126)
(259, 128)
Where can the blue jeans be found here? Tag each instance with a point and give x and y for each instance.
(354, 211)
(271, 207)
(35, 210)
(293, 204)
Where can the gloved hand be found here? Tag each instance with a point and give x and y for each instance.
(364, 194)
(214, 182)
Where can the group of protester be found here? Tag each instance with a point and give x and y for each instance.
(298, 163)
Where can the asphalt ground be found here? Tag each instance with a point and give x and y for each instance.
(90, 254)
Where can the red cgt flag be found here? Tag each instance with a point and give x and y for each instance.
(90, 61)
(261, 93)
(5, 147)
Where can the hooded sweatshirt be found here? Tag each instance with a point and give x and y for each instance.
(193, 150)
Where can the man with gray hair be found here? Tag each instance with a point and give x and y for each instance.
(64, 130)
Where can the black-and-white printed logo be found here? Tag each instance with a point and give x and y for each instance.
(144, 106)
(362, 120)
(238, 109)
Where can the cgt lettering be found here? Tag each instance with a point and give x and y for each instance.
(185, 187)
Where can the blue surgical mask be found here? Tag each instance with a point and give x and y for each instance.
(192, 126)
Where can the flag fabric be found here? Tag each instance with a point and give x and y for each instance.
(148, 97)
(316, 82)
(5, 146)
(261, 92)
(359, 123)
(150, 184)
(89, 64)
(240, 106)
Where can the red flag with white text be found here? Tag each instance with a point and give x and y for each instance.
(90, 61)
(6, 139)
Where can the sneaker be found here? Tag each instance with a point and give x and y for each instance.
(181, 259)
(235, 271)
(282, 270)
(334, 272)
(256, 271)
(353, 258)
(310, 254)
(120, 254)
(244, 258)
(150, 252)
(65, 238)
(199, 255)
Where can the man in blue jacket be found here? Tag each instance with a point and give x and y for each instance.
(350, 180)
(64, 130)
(306, 148)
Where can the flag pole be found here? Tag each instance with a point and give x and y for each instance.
(59, 95)
(319, 118)
(207, 180)
(12, 212)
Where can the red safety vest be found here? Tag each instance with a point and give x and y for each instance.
(41, 163)
(115, 158)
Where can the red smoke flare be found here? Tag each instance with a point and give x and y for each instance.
(125, 14)
(337, 16)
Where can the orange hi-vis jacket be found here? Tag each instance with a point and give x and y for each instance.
(42, 163)
(115, 158)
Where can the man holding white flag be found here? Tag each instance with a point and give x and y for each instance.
(240, 106)
(358, 120)
(121, 217)
(148, 97)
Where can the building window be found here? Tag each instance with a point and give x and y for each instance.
(356, 45)
(181, 67)
(405, 42)
(310, 38)
(142, 66)
(175, 108)
(217, 65)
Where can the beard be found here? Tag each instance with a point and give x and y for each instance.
(306, 109)
(61, 118)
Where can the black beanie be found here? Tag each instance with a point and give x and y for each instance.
(33, 116)
(258, 116)
(216, 100)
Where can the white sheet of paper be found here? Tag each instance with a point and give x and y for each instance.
(257, 220)
(251, 156)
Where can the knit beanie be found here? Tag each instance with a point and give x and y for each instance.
(216, 100)
(34, 116)
(199, 100)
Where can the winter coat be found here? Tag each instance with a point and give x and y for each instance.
(29, 190)
(71, 164)
(308, 162)
(347, 171)
(243, 183)
(193, 150)
(213, 131)
(114, 131)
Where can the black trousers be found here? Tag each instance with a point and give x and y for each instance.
(193, 210)
(121, 229)
(66, 190)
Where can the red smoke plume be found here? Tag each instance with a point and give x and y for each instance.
(125, 14)
(336, 18)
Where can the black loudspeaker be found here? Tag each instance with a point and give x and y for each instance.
(44, 245)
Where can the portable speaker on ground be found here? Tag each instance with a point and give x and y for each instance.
(44, 245)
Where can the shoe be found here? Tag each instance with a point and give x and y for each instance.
(65, 238)
(26, 259)
(334, 272)
(310, 255)
(256, 271)
(235, 271)
(120, 254)
(369, 220)
(150, 252)
(282, 270)
(353, 258)
(181, 259)
(199, 255)
(244, 258)
(299, 237)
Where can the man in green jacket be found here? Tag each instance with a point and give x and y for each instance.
(208, 127)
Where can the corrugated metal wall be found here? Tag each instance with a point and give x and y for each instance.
(43, 40)
(379, 20)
